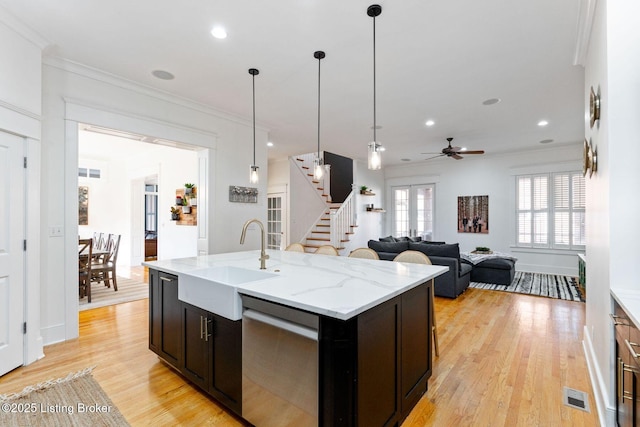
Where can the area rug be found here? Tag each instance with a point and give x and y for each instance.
(128, 290)
(76, 400)
(545, 285)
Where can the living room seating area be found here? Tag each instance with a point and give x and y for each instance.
(450, 284)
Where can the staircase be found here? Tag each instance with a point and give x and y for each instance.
(337, 223)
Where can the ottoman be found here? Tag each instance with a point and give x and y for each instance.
(495, 270)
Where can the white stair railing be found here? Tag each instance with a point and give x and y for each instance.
(341, 220)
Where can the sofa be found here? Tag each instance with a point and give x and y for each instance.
(452, 283)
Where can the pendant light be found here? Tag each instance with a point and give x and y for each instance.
(253, 173)
(374, 148)
(318, 164)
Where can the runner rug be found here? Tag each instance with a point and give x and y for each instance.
(545, 285)
(76, 400)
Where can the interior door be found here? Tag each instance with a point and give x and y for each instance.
(413, 210)
(12, 212)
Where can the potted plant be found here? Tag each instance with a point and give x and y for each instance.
(185, 205)
(188, 188)
(363, 189)
(175, 213)
(179, 200)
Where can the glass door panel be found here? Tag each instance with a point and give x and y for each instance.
(413, 211)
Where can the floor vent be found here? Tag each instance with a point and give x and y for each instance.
(576, 399)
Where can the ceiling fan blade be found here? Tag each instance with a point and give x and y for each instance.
(455, 156)
(456, 149)
(429, 158)
(433, 152)
(473, 152)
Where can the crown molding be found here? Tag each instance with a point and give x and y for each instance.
(27, 33)
(585, 25)
(130, 85)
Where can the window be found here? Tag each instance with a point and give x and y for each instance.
(151, 209)
(550, 210)
(90, 173)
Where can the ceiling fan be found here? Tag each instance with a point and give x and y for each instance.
(454, 152)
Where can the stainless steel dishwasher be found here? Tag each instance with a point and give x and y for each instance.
(279, 365)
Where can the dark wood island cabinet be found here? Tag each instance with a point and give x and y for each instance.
(372, 368)
(202, 346)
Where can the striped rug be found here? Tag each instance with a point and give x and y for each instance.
(544, 285)
(128, 290)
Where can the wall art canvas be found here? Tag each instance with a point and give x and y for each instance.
(473, 214)
(83, 205)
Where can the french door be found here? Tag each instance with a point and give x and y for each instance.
(276, 221)
(413, 209)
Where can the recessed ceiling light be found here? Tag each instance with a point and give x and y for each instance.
(219, 32)
(269, 144)
(543, 123)
(163, 75)
(430, 123)
(405, 160)
(546, 141)
(491, 101)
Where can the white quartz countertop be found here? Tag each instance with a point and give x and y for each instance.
(629, 300)
(333, 286)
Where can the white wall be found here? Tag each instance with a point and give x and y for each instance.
(491, 175)
(370, 224)
(110, 199)
(72, 93)
(613, 66)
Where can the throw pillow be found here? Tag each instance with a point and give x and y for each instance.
(388, 239)
(394, 247)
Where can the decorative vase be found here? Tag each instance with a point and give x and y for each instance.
(186, 209)
(194, 201)
(175, 216)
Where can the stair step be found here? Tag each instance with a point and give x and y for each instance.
(299, 159)
(322, 232)
(305, 167)
(320, 188)
(315, 182)
(317, 246)
(323, 225)
(322, 239)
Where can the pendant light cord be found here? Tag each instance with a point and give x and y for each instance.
(374, 80)
(319, 59)
(254, 119)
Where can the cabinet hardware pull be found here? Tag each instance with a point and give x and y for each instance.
(201, 327)
(630, 346)
(166, 279)
(615, 318)
(206, 329)
(620, 377)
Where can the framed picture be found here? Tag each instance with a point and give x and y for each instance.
(83, 205)
(473, 214)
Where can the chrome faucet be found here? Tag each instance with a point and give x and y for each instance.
(263, 254)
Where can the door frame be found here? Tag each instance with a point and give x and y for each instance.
(409, 181)
(283, 189)
(77, 112)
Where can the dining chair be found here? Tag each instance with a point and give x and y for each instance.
(105, 271)
(327, 250)
(417, 257)
(98, 240)
(85, 249)
(295, 247)
(366, 253)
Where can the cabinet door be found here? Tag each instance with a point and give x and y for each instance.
(415, 345)
(165, 321)
(378, 397)
(226, 364)
(196, 334)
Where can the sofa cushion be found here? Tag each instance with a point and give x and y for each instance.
(395, 247)
(451, 250)
(388, 239)
(497, 264)
(429, 242)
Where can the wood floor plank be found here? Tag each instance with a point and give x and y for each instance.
(504, 359)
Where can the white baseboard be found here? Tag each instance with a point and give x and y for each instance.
(53, 334)
(606, 412)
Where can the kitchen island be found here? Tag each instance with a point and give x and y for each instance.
(367, 365)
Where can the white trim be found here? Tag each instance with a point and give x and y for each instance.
(547, 168)
(117, 81)
(21, 29)
(606, 412)
(583, 35)
(19, 122)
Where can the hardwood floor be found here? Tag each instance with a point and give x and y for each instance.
(504, 359)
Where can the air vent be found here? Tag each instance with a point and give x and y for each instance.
(575, 399)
